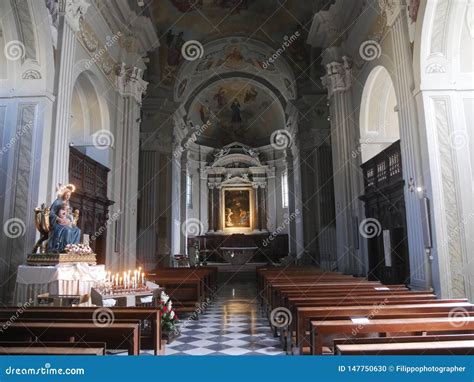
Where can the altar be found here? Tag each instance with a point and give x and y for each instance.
(238, 255)
(61, 279)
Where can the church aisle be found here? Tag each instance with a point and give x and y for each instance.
(232, 325)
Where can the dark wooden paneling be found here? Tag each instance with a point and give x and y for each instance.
(384, 200)
(90, 198)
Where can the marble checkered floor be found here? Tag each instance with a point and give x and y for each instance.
(232, 325)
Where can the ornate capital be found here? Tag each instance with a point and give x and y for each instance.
(339, 76)
(130, 82)
(73, 11)
(391, 9)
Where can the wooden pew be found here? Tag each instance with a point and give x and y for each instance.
(308, 290)
(349, 299)
(188, 288)
(435, 347)
(52, 348)
(206, 275)
(152, 315)
(320, 329)
(402, 339)
(304, 315)
(118, 335)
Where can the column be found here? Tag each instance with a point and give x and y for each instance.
(256, 212)
(211, 207)
(182, 203)
(70, 12)
(263, 207)
(131, 86)
(292, 237)
(148, 223)
(218, 210)
(396, 16)
(339, 81)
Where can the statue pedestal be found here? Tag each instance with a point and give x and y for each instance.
(60, 279)
(60, 258)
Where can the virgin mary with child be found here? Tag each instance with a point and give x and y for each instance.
(63, 226)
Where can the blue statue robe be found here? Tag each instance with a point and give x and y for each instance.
(61, 235)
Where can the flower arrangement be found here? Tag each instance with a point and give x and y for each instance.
(78, 249)
(169, 318)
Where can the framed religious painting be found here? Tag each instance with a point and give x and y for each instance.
(237, 209)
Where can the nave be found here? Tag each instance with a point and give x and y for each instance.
(233, 324)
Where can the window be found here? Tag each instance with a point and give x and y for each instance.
(189, 191)
(284, 189)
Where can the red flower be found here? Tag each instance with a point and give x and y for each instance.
(165, 309)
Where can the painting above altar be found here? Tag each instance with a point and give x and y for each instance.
(237, 210)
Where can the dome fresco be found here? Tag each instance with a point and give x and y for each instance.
(238, 110)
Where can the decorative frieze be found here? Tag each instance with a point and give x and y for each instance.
(99, 52)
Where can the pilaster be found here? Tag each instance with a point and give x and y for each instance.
(395, 14)
(131, 87)
(70, 13)
(338, 81)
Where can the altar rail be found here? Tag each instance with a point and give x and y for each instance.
(269, 248)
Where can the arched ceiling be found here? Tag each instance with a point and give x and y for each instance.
(238, 110)
(254, 59)
(210, 19)
(229, 55)
(270, 21)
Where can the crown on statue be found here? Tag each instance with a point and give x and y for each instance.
(62, 188)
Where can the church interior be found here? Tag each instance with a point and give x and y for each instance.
(237, 177)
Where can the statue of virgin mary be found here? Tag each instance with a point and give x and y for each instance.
(63, 225)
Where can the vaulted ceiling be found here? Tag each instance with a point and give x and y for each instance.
(246, 94)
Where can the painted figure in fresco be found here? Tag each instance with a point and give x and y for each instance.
(63, 228)
(179, 42)
(220, 97)
(235, 55)
(204, 112)
(250, 94)
(235, 107)
(169, 37)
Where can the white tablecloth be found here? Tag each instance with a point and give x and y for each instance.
(62, 279)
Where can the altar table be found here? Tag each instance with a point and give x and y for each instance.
(238, 255)
(61, 279)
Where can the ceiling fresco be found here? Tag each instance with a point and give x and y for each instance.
(234, 55)
(271, 21)
(238, 110)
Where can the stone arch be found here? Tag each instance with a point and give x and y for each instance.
(90, 129)
(379, 125)
(443, 67)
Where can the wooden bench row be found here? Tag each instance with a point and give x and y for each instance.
(133, 329)
(188, 288)
(324, 306)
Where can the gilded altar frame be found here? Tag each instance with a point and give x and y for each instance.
(251, 204)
